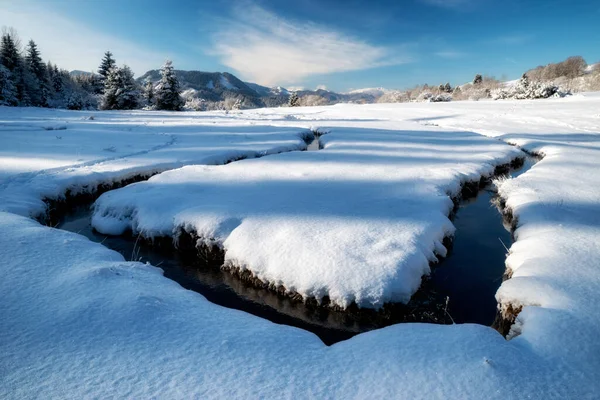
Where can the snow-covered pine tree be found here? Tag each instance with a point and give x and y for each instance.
(294, 100)
(9, 53)
(108, 63)
(478, 79)
(148, 92)
(57, 80)
(35, 76)
(8, 91)
(129, 96)
(111, 88)
(11, 87)
(166, 94)
(120, 90)
(34, 61)
(447, 88)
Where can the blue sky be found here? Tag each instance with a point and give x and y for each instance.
(308, 43)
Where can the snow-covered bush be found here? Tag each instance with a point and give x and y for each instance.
(526, 89)
(195, 104)
(434, 98)
(424, 96)
(294, 100)
(312, 100)
(440, 98)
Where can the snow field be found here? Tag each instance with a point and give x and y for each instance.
(77, 321)
(38, 161)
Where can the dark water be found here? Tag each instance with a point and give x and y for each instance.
(470, 275)
(472, 272)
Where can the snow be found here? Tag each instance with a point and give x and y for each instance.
(77, 321)
(86, 324)
(363, 202)
(590, 68)
(37, 162)
(377, 92)
(225, 82)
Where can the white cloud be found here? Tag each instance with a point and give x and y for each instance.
(450, 54)
(321, 87)
(70, 44)
(269, 50)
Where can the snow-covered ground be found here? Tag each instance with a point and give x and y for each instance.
(76, 320)
(373, 204)
(44, 152)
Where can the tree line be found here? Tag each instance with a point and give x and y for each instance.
(26, 80)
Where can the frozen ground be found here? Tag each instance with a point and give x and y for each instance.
(78, 321)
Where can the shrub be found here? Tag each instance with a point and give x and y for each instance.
(527, 89)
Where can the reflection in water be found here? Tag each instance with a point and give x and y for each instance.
(470, 277)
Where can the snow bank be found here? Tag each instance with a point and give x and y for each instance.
(359, 221)
(37, 163)
(77, 321)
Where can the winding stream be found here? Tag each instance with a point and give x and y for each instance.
(469, 276)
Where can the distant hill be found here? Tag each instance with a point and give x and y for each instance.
(214, 87)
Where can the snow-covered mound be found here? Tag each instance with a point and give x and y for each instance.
(373, 205)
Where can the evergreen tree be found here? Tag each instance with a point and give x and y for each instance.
(120, 90)
(96, 84)
(35, 76)
(167, 91)
(148, 92)
(57, 80)
(8, 91)
(9, 53)
(294, 100)
(477, 80)
(13, 87)
(34, 61)
(447, 88)
(25, 80)
(108, 63)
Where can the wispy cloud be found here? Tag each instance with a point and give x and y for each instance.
(71, 44)
(450, 54)
(268, 49)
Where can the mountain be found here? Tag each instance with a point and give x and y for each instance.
(214, 89)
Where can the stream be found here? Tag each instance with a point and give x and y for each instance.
(469, 276)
